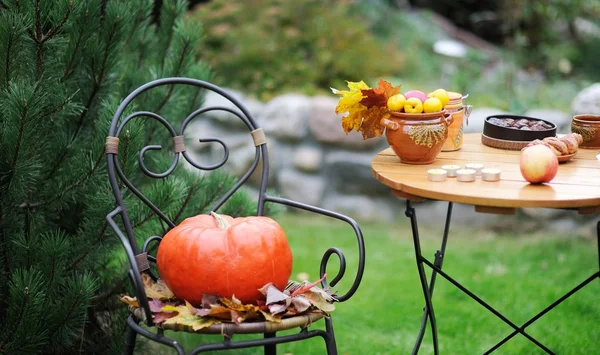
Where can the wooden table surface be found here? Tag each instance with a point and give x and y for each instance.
(576, 185)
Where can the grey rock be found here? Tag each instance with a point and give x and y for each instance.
(587, 101)
(544, 214)
(301, 187)
(478, 116)
(212, 99)
(435, 213)
(326, 127)
(350, 172)
(286, 116)
(308, 159)
(561, 119)
(364, 208)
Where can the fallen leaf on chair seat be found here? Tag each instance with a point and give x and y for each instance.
(132, 301)
(156, 290)
(185, 318)
(297, 298)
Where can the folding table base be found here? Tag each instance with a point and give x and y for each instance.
(436, 266)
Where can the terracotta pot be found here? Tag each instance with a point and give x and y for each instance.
(417, 138)
(589, 128)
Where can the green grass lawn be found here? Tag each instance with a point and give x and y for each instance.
(517, 274)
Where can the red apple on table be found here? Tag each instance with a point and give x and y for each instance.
(538, 164)
(416, 93)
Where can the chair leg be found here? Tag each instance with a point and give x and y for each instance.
(129, 341)
(270, 349)
(330, 341)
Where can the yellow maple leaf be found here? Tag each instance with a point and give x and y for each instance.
(350, 100)
(185, 317)
(156, 290)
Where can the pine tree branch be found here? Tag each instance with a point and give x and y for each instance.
(38, 40)
(7, 60)
(184, 51)
(92, 246)
(27, 234)
(186, 201)
(51, 32)
(7, 271)
(169, 40)
(70, 311)
(95, 89)
(19, 320)
(13, 165)
(68, 188)
(77, 46)
(102, 297)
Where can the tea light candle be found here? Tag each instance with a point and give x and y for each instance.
(437, 175)
(490, 174)
(466, 175)
(451, 169)
(475, 166)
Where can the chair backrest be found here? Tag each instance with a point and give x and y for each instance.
(116, 172)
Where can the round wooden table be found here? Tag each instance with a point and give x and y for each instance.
(576, 186)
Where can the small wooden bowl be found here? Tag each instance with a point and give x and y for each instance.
(589, 128)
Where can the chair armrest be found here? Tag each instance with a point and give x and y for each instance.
(330, 251)
(134, 272)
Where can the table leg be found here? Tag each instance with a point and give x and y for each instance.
(436, 266)
(427, 290)
(439, 260)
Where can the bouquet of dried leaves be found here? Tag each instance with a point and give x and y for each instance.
(365, 106)
(296, 298)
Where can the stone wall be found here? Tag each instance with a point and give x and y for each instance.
(313, 161)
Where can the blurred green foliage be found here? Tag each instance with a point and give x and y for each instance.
(551, 36)
(267, 47)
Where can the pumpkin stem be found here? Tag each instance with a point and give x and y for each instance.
(221, 222)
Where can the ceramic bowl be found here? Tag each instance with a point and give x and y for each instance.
(417, 138)
(589, 128)
(493, 129)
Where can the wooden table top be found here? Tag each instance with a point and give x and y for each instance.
(576, 185)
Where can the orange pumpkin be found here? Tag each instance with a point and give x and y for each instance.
(224, 256)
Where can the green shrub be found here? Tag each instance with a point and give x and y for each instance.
(267, 47)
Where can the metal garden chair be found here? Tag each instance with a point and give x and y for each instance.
(138, 257)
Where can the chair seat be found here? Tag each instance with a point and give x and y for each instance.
(251, 327)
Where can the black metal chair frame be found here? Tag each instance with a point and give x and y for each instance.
(436, 266)
(134, 252)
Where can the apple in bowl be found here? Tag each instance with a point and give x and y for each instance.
(538, 164)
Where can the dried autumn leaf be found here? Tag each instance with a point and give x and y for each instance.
(272, 317)
(216, 311)
(371, 126)
(379, 95)
(277, 308)
(235, 305)
(350, 102)
(319, 301)
(273, 294)
(186, 318)
(132, 301)
(156, 290)
(301, 303)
